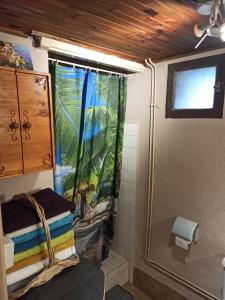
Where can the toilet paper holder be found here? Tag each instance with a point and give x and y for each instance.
(185, 230)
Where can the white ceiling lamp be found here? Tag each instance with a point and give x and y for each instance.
(215, 26)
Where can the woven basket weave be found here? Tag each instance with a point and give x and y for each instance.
(55, 266)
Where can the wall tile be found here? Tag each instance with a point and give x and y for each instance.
(130, 141)
(131, 164)
(130, 129)
(131, 153)
(124, 242)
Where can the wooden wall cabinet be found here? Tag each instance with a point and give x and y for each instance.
(26, 122)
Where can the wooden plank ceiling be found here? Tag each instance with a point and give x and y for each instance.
(131, 29)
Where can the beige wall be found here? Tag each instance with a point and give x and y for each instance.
(189, 182)
(27, 183)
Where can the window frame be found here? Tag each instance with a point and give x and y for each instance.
(217, 111)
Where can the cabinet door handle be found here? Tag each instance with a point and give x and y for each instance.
(13, 125)
(47, 160)
(26, 125)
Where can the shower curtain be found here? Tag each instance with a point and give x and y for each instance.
(89, 111)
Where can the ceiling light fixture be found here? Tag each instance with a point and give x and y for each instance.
(215, 27)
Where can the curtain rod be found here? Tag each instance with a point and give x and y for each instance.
(86, 67)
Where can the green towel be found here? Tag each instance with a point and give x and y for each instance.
(43, 246)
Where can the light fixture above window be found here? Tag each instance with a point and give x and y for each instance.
(215, 26)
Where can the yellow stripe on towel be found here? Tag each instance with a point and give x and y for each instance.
(43, 246)
(38, 257)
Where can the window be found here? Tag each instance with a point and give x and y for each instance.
(195, 89)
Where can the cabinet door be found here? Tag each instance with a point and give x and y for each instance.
(10, 137)
(34, 102)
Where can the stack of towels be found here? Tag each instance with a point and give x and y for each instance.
(22, 224)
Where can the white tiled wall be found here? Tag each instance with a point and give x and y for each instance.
(124, 242)
(117, 267)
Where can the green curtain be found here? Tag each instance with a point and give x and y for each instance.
(89, 111)
(67, 90)
(99, 155)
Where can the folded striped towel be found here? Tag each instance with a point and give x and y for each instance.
(41, 238)
(22, 224)
(36, 230)
(43, 246)
(37, 267)
(19, 214)
(38, 257)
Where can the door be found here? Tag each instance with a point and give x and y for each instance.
(33, 92)
(10, 137)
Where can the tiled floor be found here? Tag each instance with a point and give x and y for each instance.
(138, 295)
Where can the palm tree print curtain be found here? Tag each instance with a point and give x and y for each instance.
(89, 110)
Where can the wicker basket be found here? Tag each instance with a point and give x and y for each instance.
(55, 266)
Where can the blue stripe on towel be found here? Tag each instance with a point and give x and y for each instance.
(42, 238)
(40, 231)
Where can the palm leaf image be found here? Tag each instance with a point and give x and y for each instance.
(68, 88)
(89, 115)
(99, 155)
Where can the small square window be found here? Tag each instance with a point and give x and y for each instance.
(195, 89)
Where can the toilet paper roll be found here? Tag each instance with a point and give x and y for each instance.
(182, 243)
(184, 228)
